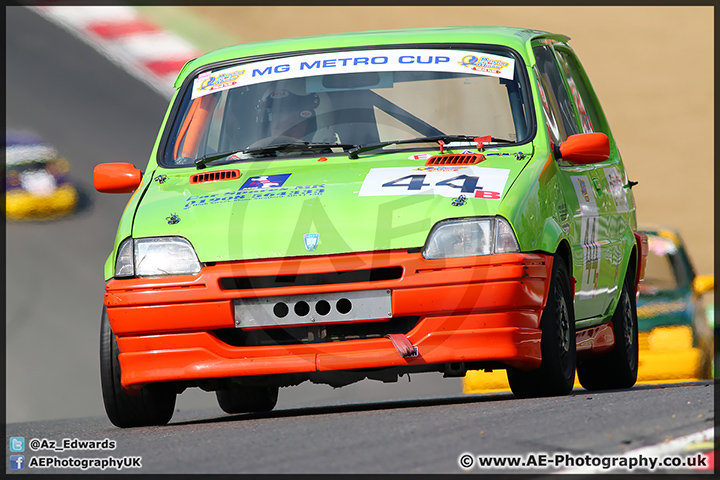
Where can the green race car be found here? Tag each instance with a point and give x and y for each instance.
(369, 205)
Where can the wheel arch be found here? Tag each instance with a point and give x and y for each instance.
(563, 250)
(634, 269)
(638, 258)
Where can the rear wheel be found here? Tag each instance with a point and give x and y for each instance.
(617, 369)
(153, 405)
(556, 373)
(247, 399)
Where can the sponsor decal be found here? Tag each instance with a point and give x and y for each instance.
(459, 201)
(430, 60)
(311, 241)
(583, 189)
(420, 156)
(485, 64)
(589, 236)
(471, 181)
(221, 81)
(265, 181)
(587, 202)
(616, 184)
(591, 253)
(255, 194)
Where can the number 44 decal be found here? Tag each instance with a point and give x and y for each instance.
(466, 184)
(471, 181)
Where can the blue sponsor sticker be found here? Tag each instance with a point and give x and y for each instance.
(265, 181)
(255, 194)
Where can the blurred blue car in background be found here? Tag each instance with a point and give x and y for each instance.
(36, 183)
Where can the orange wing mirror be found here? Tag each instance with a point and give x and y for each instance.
(116, 178)
(584, 148)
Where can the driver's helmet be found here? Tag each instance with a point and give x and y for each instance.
(285, 110)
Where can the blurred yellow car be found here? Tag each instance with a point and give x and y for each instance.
(675, 337)
(36, 183)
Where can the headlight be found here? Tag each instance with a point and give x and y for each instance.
(156, 256)
(469, 237)
(124, 265)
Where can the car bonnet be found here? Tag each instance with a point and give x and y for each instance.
(318, 205)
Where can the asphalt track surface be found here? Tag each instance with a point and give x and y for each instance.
(411, 436)
(94, 112)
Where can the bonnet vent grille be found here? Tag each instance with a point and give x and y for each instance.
(456, 159)
(215, 176)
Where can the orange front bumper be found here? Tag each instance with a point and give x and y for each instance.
(469, 309)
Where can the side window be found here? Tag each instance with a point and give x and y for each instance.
(548, 112)
(553, 88)
(590, 119)
(214, 128)
(190, 141)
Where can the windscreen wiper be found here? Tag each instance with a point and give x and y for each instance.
(302, 146)
(202, 162)
(354, 152)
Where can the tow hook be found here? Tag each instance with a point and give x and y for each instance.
(402, 345)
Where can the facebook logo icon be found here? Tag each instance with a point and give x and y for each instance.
(17, 462)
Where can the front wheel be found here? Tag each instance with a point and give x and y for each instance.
(153, 405)
(619, 368)
(556, 373)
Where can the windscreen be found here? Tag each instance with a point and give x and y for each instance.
(348, 99)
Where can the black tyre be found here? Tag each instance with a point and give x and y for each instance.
(556, 373)
(247, 399)
(617, 369)
(153, 405)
